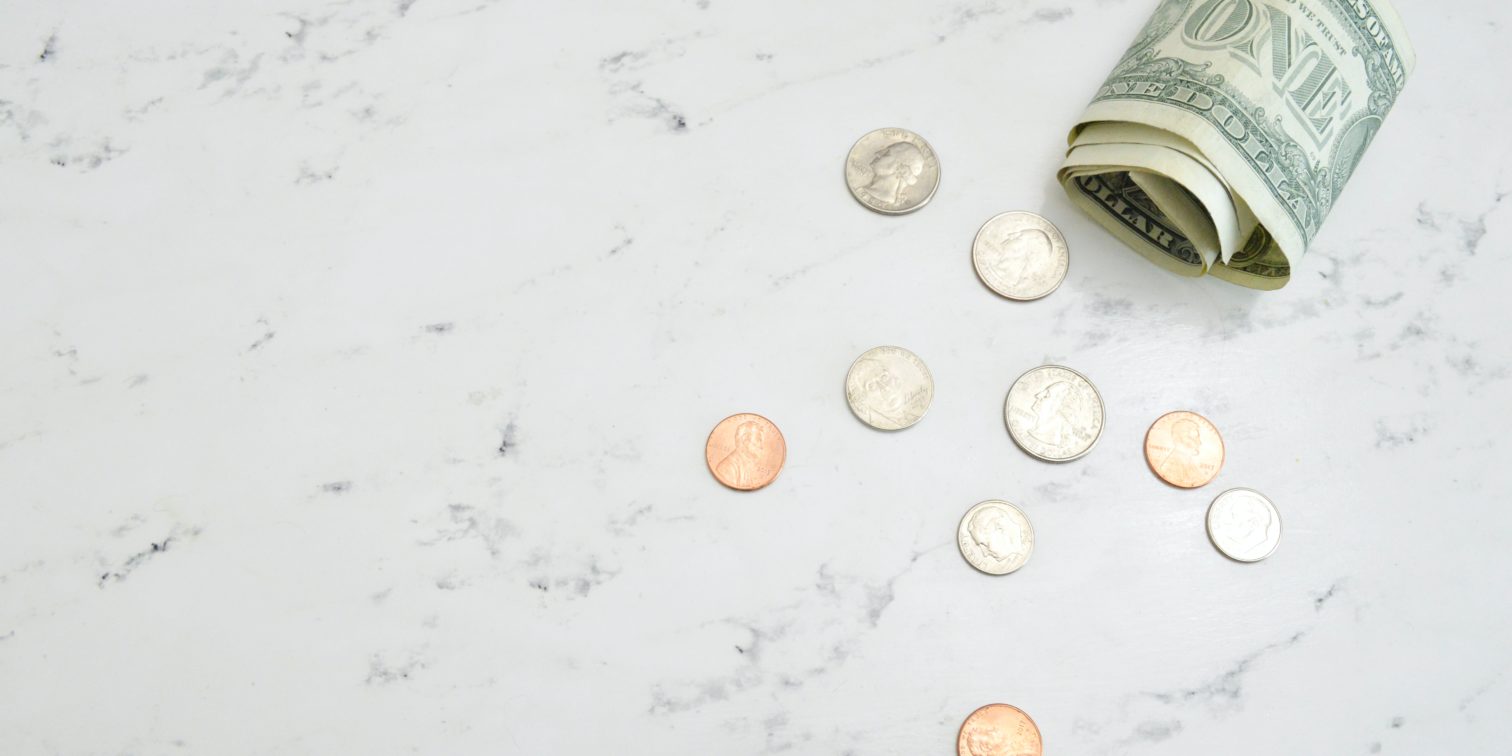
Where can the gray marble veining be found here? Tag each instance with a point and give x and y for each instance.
(358, 358)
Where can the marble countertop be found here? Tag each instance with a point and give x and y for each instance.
(358, 359)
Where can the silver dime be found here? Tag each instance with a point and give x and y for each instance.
(1054, 413)
(995, 537)
(1020, 255)
(1244, 525)
(892, 171)
(889, 388)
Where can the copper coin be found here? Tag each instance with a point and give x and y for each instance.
(745, 451)
(1184, 449)
(999, 730)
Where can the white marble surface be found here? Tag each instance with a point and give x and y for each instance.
(358, 359)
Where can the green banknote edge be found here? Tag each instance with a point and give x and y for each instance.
(1260, 263)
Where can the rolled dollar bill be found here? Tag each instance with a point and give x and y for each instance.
(1221, 140)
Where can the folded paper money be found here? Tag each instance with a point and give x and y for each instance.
(1221, 140)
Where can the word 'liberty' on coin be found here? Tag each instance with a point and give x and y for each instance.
(1020, 255)
(889, 388)
(892, 171)
(1184, 449)
(1054, 413)
(1244, 525)
(745, 451)
(995, 537)
(999, 730)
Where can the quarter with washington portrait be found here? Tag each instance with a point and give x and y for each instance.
(1054, 413)
(892, 171)
(1020, 255)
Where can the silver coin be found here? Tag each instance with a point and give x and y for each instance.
(1244, 525)
(892, 171)
(1054, 413)
(995, 537)
(1020, 255)
(889, 388)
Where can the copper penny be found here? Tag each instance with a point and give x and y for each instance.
(745, 451)
(1184, 449)
(999, 730)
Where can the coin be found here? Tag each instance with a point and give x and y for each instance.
(1020, 255)
(995, 537)
(892, 171)
(1054, 413)
(1184, 449)
(745, 451)
(1244, 525)
(889, 388)
(999, 730)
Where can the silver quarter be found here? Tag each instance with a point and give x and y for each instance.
(889, 388)
(1054, 413)
(1020, 255)
(1244, 525)
(892, 171)
(995, 537)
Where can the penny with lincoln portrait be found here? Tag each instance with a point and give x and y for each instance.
(999, 730)
(1184, 449)
(1020, 255)
(892, 171)
(1054, 413)
(745, 451)
(995, 537)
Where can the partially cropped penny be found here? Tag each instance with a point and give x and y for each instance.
(1184, 449)
(745, 451)
(999, 730)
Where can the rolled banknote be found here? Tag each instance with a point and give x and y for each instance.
(1222, 138)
